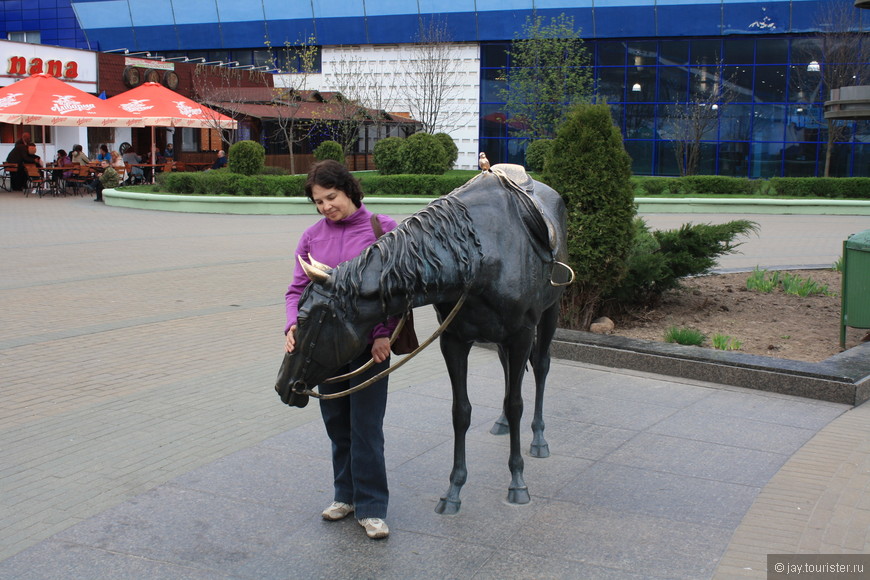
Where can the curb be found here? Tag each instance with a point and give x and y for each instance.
(843, 378)
(408, 205)
(224, 204)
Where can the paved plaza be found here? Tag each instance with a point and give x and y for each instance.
(140, 435)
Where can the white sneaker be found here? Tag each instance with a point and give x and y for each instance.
(376, 528)
(337, 511)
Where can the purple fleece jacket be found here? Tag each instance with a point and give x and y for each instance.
(333, 243)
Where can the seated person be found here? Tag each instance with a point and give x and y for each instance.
(221, 160)
(103, 155)
(109, 178)
(78, 156)
(61, 161)
(20, 155)
(169, 152)
(130, 158)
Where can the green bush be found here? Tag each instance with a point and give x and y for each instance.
(329, 150)
(824, 187)
(451, 151)
(589, 167)
(409, 185)
(388, 155)
(246, 158)
(217, 182)
(422, 153)
(182, 182)
(536, 153)
(660, 259)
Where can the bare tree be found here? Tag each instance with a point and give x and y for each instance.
(301, 61)
(366, 94)
(220, 84)
(689, 123)
(835, 57)
(433, 76)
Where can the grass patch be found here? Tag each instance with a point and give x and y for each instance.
(725, 342)
(686, 336)
(794, 284)
(759, 281)
(765, 281)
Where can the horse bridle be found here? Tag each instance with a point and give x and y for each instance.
(385, 372)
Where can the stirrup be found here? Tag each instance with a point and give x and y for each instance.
(570, 271)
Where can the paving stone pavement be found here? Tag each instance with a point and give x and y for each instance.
(140, 435)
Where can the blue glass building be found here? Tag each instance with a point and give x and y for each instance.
(647, 55)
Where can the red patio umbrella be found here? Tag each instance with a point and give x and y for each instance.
(156, 105)
(42, 99)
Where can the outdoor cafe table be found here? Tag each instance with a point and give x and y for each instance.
(198, 165)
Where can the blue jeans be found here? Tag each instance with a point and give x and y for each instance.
(355, 425)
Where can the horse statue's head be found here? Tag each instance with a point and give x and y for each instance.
(328, 335)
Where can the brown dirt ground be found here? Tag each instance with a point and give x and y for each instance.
(772, 324)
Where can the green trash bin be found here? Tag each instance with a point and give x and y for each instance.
(855, 308)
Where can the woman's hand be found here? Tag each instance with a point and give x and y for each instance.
(290, 343)
(380, 349)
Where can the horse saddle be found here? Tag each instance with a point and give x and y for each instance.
(537, 217)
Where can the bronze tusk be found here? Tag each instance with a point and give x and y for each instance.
(314, 274)
(318, 265)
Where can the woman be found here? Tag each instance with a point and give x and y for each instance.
(77, 156)
(62, 160)
(118, 164)
(355, 423)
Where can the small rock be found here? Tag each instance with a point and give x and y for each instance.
(724, 308)
(602, 325)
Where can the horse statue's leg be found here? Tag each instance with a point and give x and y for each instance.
(514, 355)
(455, 354)
(540, 359)
(500, 427)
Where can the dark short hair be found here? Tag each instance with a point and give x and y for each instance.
(333, 175)
(61, 152)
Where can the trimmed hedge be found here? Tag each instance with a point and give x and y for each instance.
(830, 187)
(222, 182)
(428, 185)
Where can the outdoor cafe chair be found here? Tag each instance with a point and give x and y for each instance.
(35, 181)
(79, 179)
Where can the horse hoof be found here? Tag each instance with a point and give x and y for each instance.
(519, 495)
(540, 450)
(447, 507)
(499, 428)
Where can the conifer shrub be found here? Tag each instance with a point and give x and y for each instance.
(660, 259)
(451, 151)
(388, 155)
(590, 168)
(422, 154)
(536, 153)
(329, 150)
(246, 158)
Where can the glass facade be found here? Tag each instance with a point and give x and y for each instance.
(743, 70)
(764, 114)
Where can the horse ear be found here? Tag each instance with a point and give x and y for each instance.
(318, 265)
(314, 274)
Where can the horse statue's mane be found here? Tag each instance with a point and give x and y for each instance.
(414, 256)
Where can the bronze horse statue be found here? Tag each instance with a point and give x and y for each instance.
(498, 244)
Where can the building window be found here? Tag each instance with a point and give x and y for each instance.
(31, 36)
